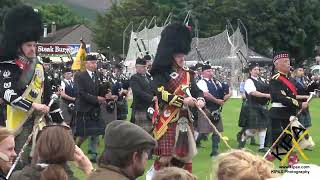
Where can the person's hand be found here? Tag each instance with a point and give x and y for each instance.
(200, 103)
(226, 97)
(101, 100)
(124, 92)
(155, 98)
(268, 96)
(108, 96)
(304, 105)
(114, 97)
(190, 101)
(220, 101)
(165, 160)
(41, 107)
(82, 161)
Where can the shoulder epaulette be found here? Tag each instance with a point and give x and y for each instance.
(276, 76)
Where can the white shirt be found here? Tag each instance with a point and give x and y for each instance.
(202, 85)
(90, 73)
(63, 84)
(249, 86)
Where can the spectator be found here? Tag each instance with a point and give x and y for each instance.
(54, 148)
(125, 154)
(7, 153)
(240, 165)
(173, 173)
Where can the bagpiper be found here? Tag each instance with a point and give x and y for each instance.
(176, 90)
(284, 99)
(23, 84)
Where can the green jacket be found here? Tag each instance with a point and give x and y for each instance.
(108, 172)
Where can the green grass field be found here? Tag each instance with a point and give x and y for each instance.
(202, 163)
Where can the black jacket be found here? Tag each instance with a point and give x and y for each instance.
(142, 92)
(12, 87)
(87, 92)
(281, 93)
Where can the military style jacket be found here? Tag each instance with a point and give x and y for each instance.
(283, 97)
(15, 76)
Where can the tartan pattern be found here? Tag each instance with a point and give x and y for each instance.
(142, 120)
(167, 141)
(304, 118)
(254, 116)
(174, 83)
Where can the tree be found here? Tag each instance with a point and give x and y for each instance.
(60, 14)
(292, 25)
(110, 25)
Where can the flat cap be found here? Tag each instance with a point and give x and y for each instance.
(123, 135)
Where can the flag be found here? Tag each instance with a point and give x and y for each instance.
(78, 63)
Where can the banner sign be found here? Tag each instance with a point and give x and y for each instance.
(59, 49)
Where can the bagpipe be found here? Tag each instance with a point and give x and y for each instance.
(143, 53)
(152, 110)
(105, 88)
(245, 65)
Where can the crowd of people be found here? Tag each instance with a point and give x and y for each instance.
(174, 108)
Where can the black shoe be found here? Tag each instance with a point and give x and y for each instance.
(213, 154)
(263, 150)
(241, 144)
(239, 134)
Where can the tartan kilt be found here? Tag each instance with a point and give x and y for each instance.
(140, 119)
(205, 127)
(122, 109)
(87, 125)
(304, 118)
(107, 116)
(254, 116)
(243, 115)
(167, 141)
